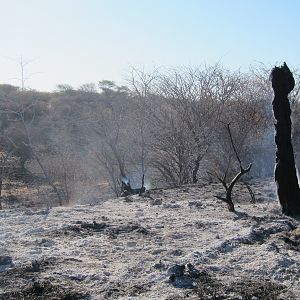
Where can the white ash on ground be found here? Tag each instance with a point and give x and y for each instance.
(124, 249)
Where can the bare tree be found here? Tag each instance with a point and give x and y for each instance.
(111, 127)
(142, 85)
(229, 186)
(183, 114)
(24, 132)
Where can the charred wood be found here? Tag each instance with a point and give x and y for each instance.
(285, 171)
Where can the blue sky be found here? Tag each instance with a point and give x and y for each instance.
(81, 41)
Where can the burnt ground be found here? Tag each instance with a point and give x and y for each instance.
(180, 244)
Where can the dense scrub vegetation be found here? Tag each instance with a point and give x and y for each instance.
(75, 144)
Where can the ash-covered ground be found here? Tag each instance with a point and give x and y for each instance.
(181, 244)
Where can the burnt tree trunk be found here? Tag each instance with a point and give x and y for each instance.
(285, 170)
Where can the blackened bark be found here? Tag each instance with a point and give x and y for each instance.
(285, 170)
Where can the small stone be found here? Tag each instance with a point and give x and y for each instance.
(177, 270)
(35, 266)
(182, 282)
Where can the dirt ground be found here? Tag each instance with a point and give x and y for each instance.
(179, 244)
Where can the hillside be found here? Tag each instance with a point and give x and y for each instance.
(181, 244)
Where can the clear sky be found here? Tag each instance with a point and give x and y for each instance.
(81, 41)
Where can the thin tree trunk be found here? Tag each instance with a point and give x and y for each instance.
(197, 165)
(196, 169)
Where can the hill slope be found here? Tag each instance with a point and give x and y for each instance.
(181, 244)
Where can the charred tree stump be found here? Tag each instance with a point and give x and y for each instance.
(285, 170)
(128, 190)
